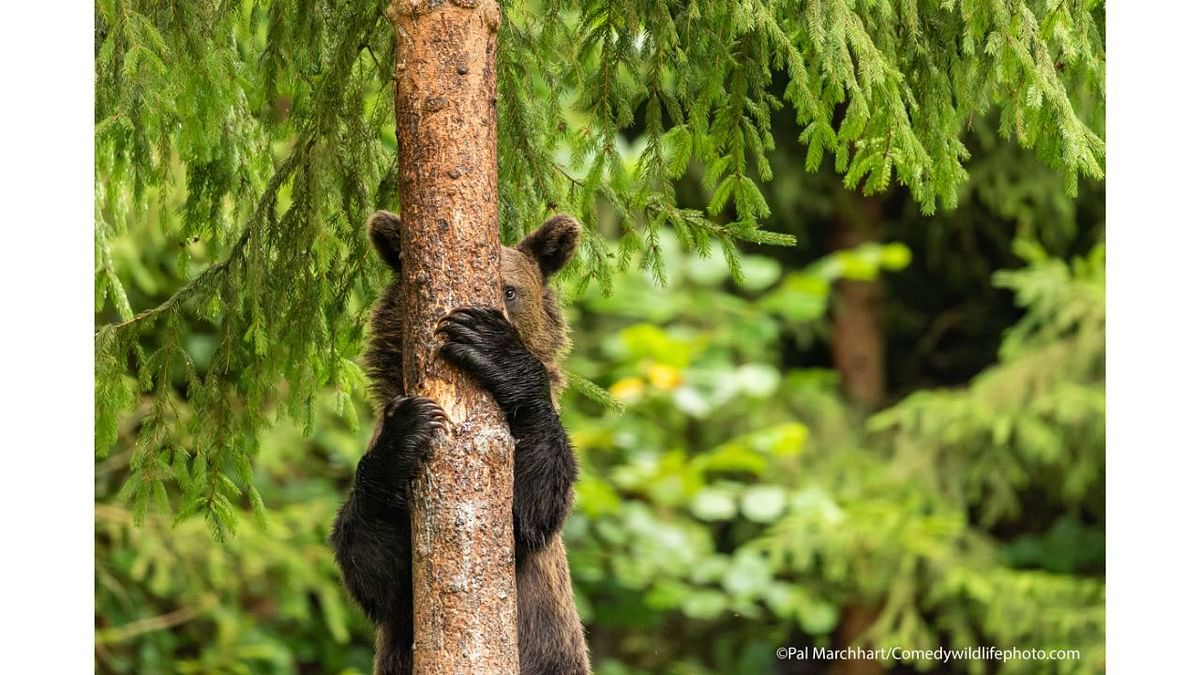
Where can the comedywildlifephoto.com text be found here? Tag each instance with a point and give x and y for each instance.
(940, 655)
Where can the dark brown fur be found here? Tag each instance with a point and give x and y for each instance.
(516, 360)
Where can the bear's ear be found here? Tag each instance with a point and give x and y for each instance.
(384, 230)
(553, 244)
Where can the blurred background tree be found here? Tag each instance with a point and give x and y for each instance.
(889, 434)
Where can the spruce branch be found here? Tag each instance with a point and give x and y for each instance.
(216, 270)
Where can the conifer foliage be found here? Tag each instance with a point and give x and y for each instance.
(273, 120)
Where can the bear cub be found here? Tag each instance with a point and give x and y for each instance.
(516, 361)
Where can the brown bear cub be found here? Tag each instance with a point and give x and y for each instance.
(517, 363)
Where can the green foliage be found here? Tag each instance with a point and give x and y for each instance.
(731, 500)
(734, 506)
(268, 120)
(738, 504)
(169, 600)
(1033, 421)
(257, 136)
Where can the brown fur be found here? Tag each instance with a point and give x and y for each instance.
(547, 615)
(551, 635)
(541, 324)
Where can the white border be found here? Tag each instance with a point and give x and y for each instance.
(46, 276)
(1153, 337)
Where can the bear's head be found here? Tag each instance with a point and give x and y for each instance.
(530, 302)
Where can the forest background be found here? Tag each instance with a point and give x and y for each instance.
(850, 395)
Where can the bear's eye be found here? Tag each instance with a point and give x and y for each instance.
(510, 293)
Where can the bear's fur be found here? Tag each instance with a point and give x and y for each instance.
(517, 362)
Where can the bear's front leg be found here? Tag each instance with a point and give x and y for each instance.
(372, 539)
(483, 344)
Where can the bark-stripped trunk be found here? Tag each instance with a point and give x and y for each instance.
(464, 588)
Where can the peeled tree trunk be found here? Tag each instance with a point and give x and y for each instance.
(464, 588)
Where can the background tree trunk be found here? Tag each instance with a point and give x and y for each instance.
(464, 589)
(857, 340)
(859, 355)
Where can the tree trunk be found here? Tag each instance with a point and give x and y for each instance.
(859, 353)
(857, 339)
(464, 588)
